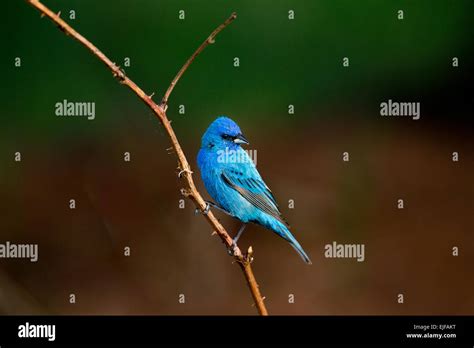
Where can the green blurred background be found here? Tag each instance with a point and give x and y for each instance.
(282, 62)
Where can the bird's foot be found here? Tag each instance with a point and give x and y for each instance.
(234, 243)
(203, 212)
(232, 250)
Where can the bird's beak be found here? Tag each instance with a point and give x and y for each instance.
(240, 139)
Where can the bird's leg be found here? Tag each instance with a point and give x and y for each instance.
(236, 238)
(241, 230)
(214, 205)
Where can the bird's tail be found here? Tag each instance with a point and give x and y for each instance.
(300, 251)
(286, 234)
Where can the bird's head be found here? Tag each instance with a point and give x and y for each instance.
(222, 133)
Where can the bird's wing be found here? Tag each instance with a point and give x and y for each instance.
(251, 186)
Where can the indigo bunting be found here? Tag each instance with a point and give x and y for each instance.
(232, 180)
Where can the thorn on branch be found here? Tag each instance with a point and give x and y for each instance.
(60, 27)
(184, 171)
(263, 299)
(186, 192)
(118, 74)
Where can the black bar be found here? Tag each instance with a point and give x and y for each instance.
(133, 330)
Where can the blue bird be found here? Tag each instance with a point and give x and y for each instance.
(232, 180)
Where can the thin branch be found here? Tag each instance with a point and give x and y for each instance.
(208, 41)
(189, 190)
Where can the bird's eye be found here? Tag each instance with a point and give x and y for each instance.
(227, 137)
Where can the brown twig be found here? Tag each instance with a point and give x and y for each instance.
(184, 168)
(208, 41)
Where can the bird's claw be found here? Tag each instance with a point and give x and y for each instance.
(232, 249)
(203, 212)
(206, 210)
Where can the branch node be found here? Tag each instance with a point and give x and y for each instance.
(249, 255)
(164, 105)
